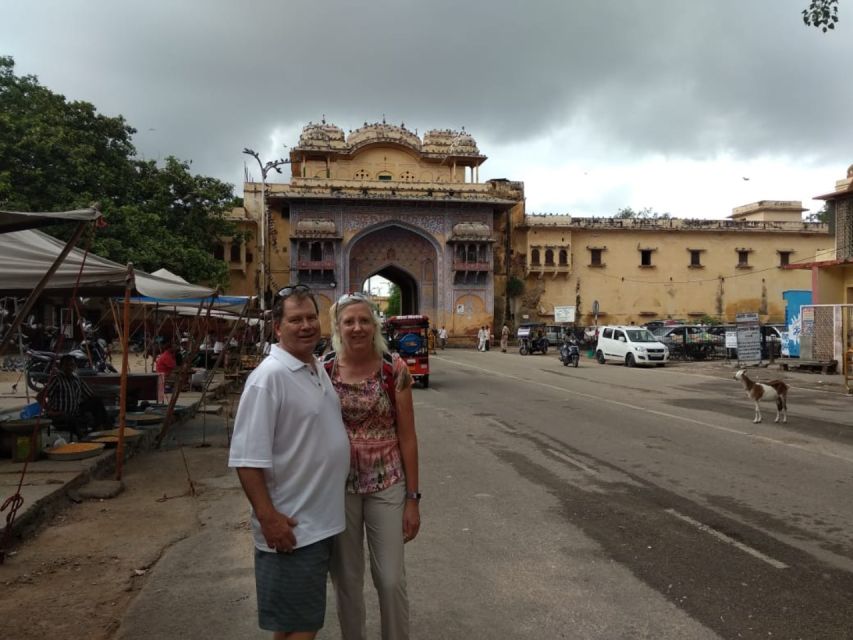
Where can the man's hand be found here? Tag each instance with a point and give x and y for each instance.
(278, 531)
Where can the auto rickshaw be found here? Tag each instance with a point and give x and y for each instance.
(409, 336)
(532, 338)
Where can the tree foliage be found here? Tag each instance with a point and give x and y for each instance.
(395, 303)
(57, 155)
(821, 14)
(647, 213)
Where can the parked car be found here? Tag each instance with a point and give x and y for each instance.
(694, 342)
(555, 334)
(630, 346)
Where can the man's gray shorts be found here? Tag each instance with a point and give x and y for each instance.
(292, 587)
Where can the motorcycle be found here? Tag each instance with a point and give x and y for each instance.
(91, 358)
(570, 354)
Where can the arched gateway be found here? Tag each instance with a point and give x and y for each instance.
(381, 201)
(404, 256)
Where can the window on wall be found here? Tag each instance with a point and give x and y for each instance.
(219, 252)
(743, 258)
(595, 257)
(316, 252)
(695, 257)
(549, 257)
(235, 252)
(784, 258)
(384, 177)
(564, 258)
(645, 257)
(361, 174)
(407, 176)
(534, 257)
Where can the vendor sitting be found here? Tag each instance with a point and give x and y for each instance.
(70, 403)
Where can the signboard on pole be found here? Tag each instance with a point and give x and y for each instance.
(564, 314)
(748, 339)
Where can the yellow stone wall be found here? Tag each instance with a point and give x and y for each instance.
(670, 288)
(371, 162)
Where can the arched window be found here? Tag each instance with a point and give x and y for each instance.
(564, 258)
(534, 257)
(235, 252)
(549, 257)
(384, 176)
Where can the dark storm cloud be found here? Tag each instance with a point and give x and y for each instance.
(201, 80)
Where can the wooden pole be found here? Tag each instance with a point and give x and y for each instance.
(125, 342)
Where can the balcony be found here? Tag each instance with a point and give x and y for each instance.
(459, 265)
(315, 265)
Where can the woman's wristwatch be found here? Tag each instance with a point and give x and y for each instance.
(413, 495)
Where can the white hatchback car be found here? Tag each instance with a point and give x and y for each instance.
(630, 346)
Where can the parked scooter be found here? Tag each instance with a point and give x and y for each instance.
(570, 353)
(91, 357)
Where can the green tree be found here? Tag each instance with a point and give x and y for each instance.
(395, 304)
(57, 155)
(821, 14)
(824, 215)
(647, 213)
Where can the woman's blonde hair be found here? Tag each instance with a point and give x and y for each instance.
(379, 343)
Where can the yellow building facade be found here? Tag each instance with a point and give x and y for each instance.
(384, 201)
(639, 269)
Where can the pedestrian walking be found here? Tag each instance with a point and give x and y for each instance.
(442, 337)
(291, 452)
(382, 496)
(482, 336)
(504, 338)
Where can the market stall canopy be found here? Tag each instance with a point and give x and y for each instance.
(19, 220)
(25, 256)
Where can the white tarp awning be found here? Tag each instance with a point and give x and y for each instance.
(25, 256)
(19, 220)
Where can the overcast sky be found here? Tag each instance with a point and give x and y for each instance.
(595, 105)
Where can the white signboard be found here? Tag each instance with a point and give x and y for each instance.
(748, 338)
(564, 314)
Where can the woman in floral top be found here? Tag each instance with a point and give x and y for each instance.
(382, 486)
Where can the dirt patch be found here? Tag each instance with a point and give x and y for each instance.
(77, 575)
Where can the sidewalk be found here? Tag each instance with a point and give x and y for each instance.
(47, 483)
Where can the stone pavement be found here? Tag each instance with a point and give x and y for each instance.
(47, 484)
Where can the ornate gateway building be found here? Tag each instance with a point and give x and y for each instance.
(382, 201)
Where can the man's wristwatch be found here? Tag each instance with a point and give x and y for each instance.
(413, 495)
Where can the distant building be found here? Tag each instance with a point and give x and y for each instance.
(381, 200)
(642, 269)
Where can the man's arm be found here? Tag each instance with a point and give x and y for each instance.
(276, 527)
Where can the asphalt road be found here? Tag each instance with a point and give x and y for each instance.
(597, 502)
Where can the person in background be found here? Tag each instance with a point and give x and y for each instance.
(291, 453)
(68, 401)
(504, 338)
(481, 339)
(442, 337)
(166, 361)
(383, 496)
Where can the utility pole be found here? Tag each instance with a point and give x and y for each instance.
(263, 281)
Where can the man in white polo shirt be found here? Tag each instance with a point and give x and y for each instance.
(291, 452)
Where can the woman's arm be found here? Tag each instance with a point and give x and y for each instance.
(408, 449)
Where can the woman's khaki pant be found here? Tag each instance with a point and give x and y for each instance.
(381, 515)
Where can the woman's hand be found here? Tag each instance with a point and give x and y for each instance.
(411, 520)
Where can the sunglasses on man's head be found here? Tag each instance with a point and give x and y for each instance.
(291, 289)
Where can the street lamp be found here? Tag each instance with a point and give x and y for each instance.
(263, 283)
